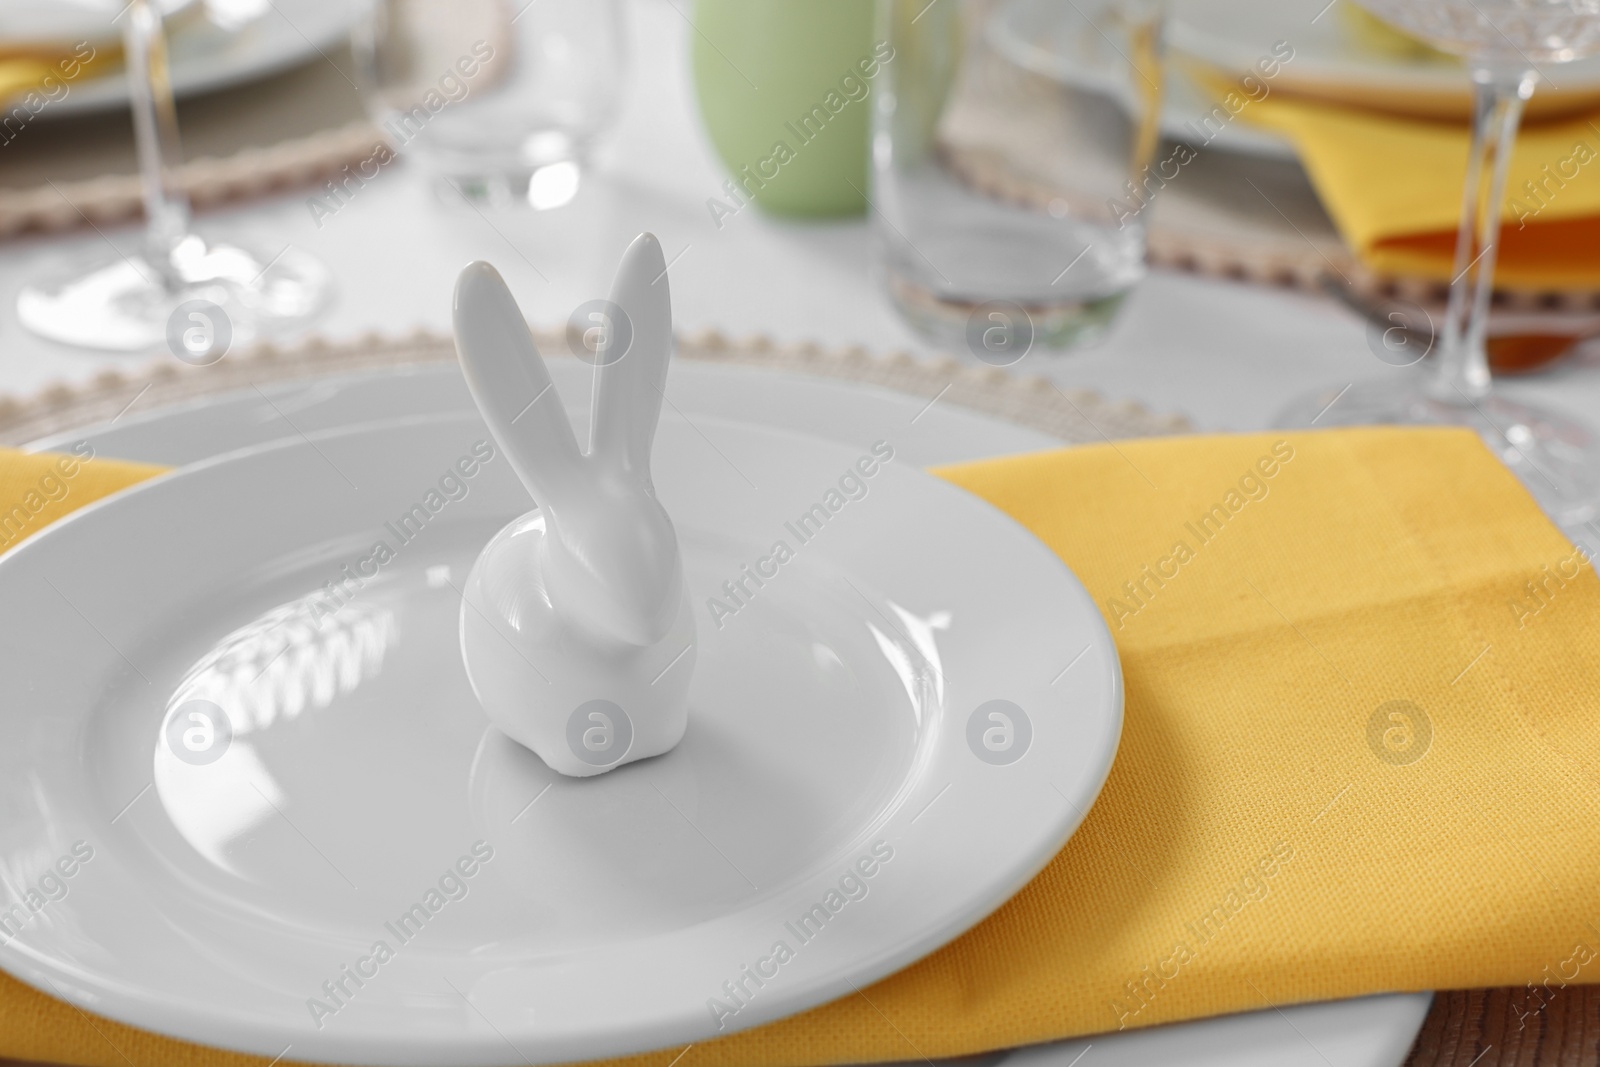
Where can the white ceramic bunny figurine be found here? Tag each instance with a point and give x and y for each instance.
(575, 622)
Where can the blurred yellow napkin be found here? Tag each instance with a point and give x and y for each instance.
(19, 74)
(30, 78)
(36, 490)
(1393, 187)
(1362, 753)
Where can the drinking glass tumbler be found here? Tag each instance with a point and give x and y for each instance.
(502, 99)
(959, 128)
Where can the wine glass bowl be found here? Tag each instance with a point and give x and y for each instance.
(1533, 31)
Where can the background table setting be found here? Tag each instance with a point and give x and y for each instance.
(1110, 487)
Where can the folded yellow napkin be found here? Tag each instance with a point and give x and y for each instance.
(1393, 188)
(1362, 753)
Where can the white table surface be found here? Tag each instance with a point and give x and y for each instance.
(1227, 354)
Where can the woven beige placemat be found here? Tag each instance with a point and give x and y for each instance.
(297, 128)
(1073, 415)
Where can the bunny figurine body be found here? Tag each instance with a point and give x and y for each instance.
(576, 628)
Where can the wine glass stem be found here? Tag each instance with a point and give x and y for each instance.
(155, 129)
(1498, 99)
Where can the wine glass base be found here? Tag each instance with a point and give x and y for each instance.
(197, 301)
(542, 188)
(1556, 457)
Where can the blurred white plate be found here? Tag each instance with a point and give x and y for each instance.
(204, 56)
(1332, 63)
(48, 24)
(1061, 41)
(1366, 1032)
(830, 817)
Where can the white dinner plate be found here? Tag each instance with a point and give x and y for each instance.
(206, 56)
(1365, 1032)
(1333, 62)
(289, 824)
(30, 24)
(1061, 41)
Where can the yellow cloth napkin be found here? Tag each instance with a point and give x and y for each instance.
(30, 79)
(1362, 753)
(36, 490)
(19, 74)
(1393, 188)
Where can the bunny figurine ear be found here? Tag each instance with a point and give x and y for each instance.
(511, 385)
(631, 383)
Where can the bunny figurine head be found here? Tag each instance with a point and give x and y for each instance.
(576, 628)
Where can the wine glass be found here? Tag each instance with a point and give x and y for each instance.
(1504, 43)
(196, 296)
(501, 102)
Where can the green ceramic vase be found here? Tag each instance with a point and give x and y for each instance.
(785, 89)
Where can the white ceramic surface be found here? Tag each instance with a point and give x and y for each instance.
(247, 862)
(1366, 1032)
(205, 56)
(576, 626)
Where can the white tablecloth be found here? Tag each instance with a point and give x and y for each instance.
(1227, 354)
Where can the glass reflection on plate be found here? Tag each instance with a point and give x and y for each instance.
(295, 658)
